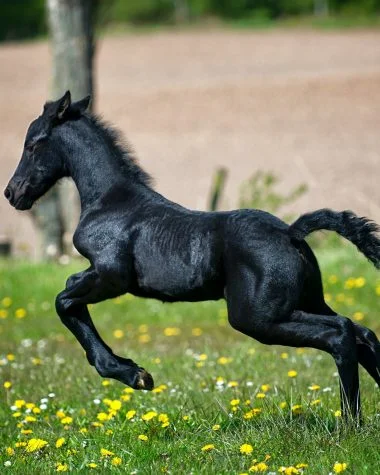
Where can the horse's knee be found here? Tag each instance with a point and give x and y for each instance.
(62, 304)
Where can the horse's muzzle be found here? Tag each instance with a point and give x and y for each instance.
(15, 194)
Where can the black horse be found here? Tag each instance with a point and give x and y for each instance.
(137, 241)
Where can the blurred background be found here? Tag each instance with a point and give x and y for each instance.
(232, 103)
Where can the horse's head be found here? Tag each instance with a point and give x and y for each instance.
(41, 163)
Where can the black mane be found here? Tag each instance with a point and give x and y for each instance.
(121, 148)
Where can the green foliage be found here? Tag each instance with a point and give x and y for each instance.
(26, 18)
(21, 19)
(259, 192)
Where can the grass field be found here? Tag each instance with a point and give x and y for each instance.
(223, 403)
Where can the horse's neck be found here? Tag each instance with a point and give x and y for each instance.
(92, 167)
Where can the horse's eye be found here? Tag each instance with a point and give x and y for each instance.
(31, 147)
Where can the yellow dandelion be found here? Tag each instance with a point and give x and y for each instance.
(115, 405)
(358, 316)
(130, 414)
(96, 424)
(196, 331)
(62, 467)
(6, 302)
(116, 461)
(92, 465)
(106, 453)
(172, 331)
(315, 402)
(360, 282)
(284, 355)
(83, 430)
(216, 427)
(20, 313)
(11, 357)
(35, 444)
(235, 402)
(66, 420)
(338, 413)
(149, 416)
(223, 360)
(7, 384)
(59, 414)
(36, 410)
(143, 437)
(36, 361)
(314, 387)
(26, 431)
(265, 388)
(292, 373)
(339, 467)
(186, 418)
(118, 333)
(289, 470)
(349, 283)
(259, 467)
(10, 451)
(261, 395)
(144, 338)
(59, 442)
(30, 419)
(163, 418)
(208, 448)
(106, 382)
(246, 449)
(297, 409)
(19, 403)
(232, 384)
(20, 444)
(3, 313)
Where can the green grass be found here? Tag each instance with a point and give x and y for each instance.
(187, 364)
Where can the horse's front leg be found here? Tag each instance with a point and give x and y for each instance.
(71, 305)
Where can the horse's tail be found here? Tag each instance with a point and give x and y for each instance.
(360, 231)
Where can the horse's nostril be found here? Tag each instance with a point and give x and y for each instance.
(8, 193)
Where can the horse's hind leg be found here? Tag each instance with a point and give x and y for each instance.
(367, 343)
(72, 309)
(263, 310)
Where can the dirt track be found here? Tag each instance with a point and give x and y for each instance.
(305, 105)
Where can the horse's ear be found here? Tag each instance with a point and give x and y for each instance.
(82, 105)
(63, 104)
(57, 109)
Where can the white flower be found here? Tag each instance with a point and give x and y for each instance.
(96, 401)
(26, 342)
(51, 394)
(44, 400)
(8, 463)
(43, 406)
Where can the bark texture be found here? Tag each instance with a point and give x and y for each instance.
(71, 26)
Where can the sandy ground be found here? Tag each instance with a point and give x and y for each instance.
(305, 105)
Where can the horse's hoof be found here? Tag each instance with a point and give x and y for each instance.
(144, 380)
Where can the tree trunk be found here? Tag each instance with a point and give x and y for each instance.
(72, 43)
(181, 11)
(321, 8)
